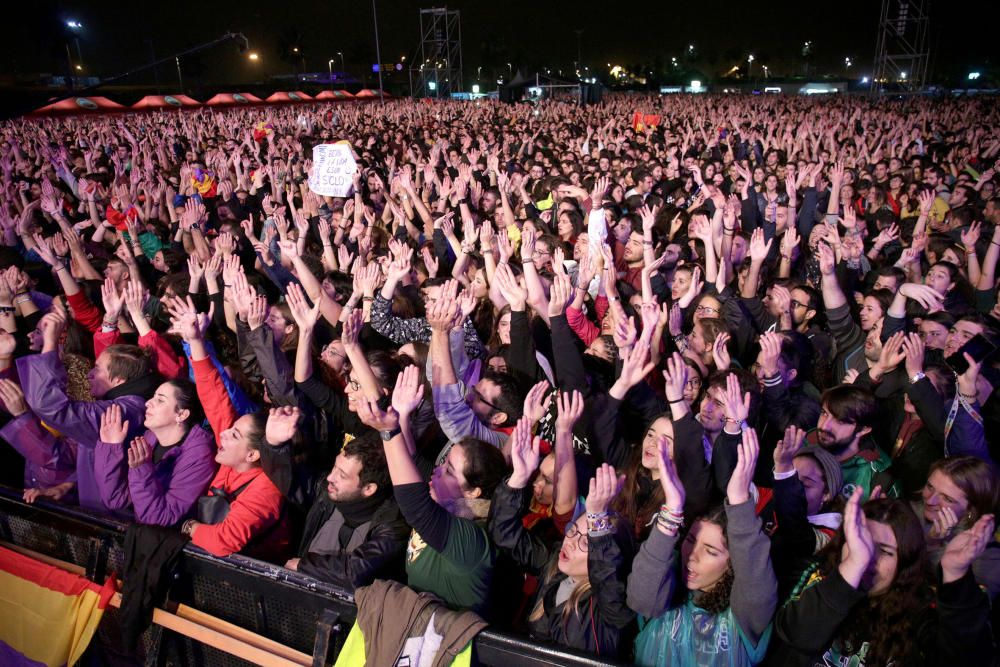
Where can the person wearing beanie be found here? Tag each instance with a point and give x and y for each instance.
(805, 504)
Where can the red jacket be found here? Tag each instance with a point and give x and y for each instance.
(258, 507)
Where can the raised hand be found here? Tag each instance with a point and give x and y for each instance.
(537, 402)
(735, 404)
(408, 392)
(560, 295)
(759, 249)
(604, 486)
(186, 321)
(257, 312)
(720, 351)
(670, 481)
(859, 546)
(113, 429)
(570, 409)
(113, 301)
(625, 333)
(282, 424)
(510, 288)
(965, 548)
(525, 454)
(787, 448)
(675, 377)
(304, 316)
(738, 489)
(912, 348)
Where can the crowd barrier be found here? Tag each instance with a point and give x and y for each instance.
(225, 612)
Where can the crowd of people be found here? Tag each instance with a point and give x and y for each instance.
(713, 392)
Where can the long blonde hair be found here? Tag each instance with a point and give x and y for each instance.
(580, 591)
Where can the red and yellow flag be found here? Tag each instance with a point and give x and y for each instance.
(47, 615)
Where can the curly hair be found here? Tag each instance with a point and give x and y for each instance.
(888, 622)
(717, 599)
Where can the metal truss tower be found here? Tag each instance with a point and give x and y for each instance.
(902, 51)
(439, 72)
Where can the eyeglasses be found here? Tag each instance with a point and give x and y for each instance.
(575, 535)
(694, 383)
(479, 396)
(706, 309)
(353, 384)
(797, 304)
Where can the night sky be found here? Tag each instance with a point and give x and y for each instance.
(119, 35)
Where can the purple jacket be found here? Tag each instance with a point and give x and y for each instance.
(48, 460)
(43, 379)
(162, 494)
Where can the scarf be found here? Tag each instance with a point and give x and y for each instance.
(356, 512)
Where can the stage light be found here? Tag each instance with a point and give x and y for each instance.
(973, 76)
(253, 56)
(475, 89)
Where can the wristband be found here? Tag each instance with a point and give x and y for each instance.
(967, 397)
(8, 309)
(23, 299)
(598, 524)
(676, 400)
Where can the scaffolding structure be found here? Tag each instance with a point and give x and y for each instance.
(439, 72)
(902, 51)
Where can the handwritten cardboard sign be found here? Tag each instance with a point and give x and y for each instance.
(333, 169)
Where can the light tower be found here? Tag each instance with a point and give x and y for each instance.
(440, 53)
(902, 51)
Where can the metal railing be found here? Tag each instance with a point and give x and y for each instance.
(297, 612)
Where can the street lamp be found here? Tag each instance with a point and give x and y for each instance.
(765, 71)
(329, 64)
(749, 65)
(253, 56)
(510, 70)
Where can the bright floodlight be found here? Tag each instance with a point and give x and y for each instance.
(74, 25)
(695, 85)
(475, 88)
(903, 75)
(432, 85)
(864, 79)
(253, 55)
(973, 76)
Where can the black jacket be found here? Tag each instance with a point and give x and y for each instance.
(378, 554)
(953, 631)
(602, 618)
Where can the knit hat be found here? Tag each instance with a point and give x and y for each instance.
(832, 474)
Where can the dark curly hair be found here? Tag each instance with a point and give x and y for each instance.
(716, 600)
(888, 622)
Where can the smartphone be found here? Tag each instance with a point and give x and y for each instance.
(979, 347)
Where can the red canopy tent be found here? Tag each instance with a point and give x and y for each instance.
(282, 96)
(334, 95)
(233, 98)
(368, 93)
(165, 102)
(81, 104)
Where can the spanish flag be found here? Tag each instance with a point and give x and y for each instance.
(47, 615)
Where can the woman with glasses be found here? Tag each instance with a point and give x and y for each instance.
(580, 601)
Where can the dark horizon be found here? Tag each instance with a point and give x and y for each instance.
(118, 36)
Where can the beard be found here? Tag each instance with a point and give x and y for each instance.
(836, 447)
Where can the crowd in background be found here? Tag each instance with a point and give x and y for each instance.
(718, 390)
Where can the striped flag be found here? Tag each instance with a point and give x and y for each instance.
(47, 615)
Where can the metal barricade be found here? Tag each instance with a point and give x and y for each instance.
(297, 612)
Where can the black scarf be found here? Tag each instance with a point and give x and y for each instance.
(144, 386)
(356, 512)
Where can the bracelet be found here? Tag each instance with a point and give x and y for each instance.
(9, 310)
(598, 524)
(613, 298)
(967, 397)
(57, 267)
(21, 293)
(23, 299)
(367, 298)
(676, 400)
(994, 243)
(970, 252)
(488, 251)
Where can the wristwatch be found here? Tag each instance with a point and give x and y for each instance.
(917, 377)
(389, 435)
